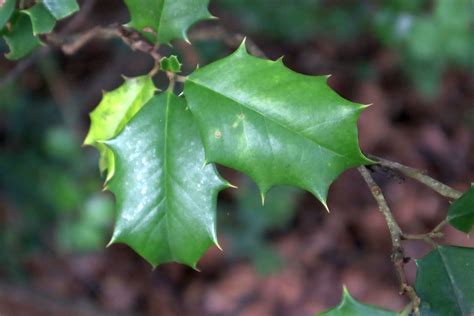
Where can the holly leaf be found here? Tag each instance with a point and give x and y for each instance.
(165, 20)
(171, 64)
(350, 307)
(41, 19)
(61, 8)
(461, 212)
(113, 113)
(445, 281)
(273, 124)
(20, 38)
(166, 199)
(6, 10)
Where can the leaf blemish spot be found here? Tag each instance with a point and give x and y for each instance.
(217, 134)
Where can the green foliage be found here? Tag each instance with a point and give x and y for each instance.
(308, 18)
(61, 8)
(429, 41)
(350, 307)
(166, 199)
(41, 19)
(275, 125)
(162, 21)
(445, 281)
(6, 10)
(26, 25)
(20, 37)
(113, 113)
(171, 64)
(461, 212)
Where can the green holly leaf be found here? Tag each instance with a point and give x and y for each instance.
(61, 8)
(113, 113)
(171, 64)
(165, 20)
(166, 197)
(6, 10)
(41, 19)
(20, 38)
(273, 124)
(350, 307)
(445, 281)
(461, 212)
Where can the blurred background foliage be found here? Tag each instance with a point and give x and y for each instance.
(429, 36)
(50, 186)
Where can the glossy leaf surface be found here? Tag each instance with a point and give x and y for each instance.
(61, 8)
(445, 281)
(273, 124)
(166, 199)
(41, 19)
(113, 112)
(20, 38)
(461, 212)
(350, 307)
(6, 10)
(165, 20)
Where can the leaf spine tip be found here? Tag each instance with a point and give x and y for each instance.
(111, 242)
(230, 185)
(328, 76)
(364, 106)
(186, 39)
(243, 46)
(326, 206)
(262, 197)
(218, 245)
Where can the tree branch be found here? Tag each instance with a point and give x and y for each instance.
(396, 234)
(72, 43)
(420, 176)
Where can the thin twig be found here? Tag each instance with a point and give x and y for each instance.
(72, 43)
(396, 234)
(420, 176)
(428, 237)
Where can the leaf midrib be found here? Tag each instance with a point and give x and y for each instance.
(268, 118)
(165, 173)
(451, 280)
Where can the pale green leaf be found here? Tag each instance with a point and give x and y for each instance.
(273, 124)
(20, 38)
(113, 113)
(171, 64)
(445, 281)
(461, 212)
(166, 197)
(61, 8)
(42, 20)
(6, 10)
(350, 307)
(165, 20)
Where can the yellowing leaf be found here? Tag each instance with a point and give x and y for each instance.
(113, 113)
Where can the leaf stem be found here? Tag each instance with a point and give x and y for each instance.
(420, 176)
(398, 256)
